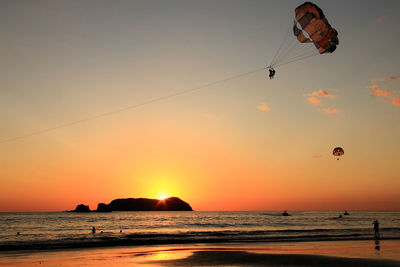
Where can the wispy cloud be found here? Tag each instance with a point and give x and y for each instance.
(211, 117)
(382, 93)
(313, 100)
(331, 110)
(387, 78)
(374, 87)
(380, 19)
(315, 97)
(320, 93)
(390, 78)
(263, 107)
(377, 91)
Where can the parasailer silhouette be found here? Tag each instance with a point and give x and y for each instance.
(271, 73)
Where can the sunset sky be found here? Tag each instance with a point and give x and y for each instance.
(245, 144)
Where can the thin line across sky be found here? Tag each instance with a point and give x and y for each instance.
(134, 106)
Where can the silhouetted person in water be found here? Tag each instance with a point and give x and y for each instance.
(93, 230)
(376, 228)
(377, 245)
(340, 216)
(271, 73)
(17, 233)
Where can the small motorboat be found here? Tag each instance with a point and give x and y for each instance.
(285, 213)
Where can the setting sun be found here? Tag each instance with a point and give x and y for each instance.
(162, 196)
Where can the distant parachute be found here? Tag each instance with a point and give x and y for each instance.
(338, 152)
(310, 26)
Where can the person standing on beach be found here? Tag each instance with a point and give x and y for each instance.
(93, 230)
(376, 228)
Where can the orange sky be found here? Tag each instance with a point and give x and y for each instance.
(245, 144)
(211, 169)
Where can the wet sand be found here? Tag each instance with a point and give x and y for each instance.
(333, 253)
(245, 258)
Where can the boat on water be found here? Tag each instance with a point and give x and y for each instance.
(285, 213)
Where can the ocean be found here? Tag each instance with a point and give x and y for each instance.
(55, 230)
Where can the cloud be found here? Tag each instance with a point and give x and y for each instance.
(390, 78)
(374, 87)
(320, 93)
(380, 19)
(377, 91)
(211, 117)
(316, 156)
(313, 100)
(316, 96)
(387, 78)
(396, 101)
(381, 93)
(331, 110)
(324, 93)
(263, 107)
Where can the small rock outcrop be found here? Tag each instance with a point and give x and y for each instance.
(82, 208)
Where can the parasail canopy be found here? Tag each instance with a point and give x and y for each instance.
(313, 35)
(311, 25)
(338, 151)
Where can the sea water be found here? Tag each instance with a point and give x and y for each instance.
(48, 230)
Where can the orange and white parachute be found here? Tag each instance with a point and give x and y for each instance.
(310, 26)
(338, 152)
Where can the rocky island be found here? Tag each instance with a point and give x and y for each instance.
(139, 204)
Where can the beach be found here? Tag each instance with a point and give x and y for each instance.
(250, 238)
(324, 253)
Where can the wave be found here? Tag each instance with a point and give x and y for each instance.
(185, 237)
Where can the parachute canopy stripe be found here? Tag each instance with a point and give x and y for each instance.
(310, 8)
(311, 25)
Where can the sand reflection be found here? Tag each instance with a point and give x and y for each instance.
(162, 255)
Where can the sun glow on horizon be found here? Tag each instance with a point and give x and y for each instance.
(162, 196)
(163, 183)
